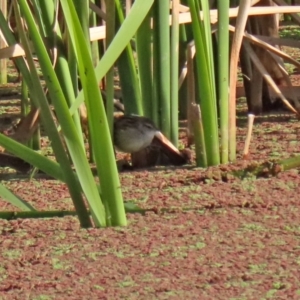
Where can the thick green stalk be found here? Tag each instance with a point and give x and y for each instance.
(72, 65)
(109, 78)
(82, 10)
(174, 55)
(129, 80)
(205, 79)
(36, 139)
(163, 65)
(183, 97)
(156, 112)
(223, 76)
(25, 105)
(144, 61)
(109, 82)
(94, 44)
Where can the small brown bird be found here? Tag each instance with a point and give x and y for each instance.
(140, 137)
(133, 133)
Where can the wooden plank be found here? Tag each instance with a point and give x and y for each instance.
(98, 33)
